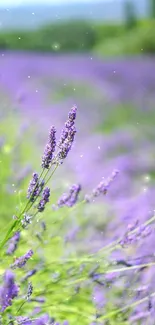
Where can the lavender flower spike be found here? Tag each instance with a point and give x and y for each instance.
(134, 234)
(67, 135)
(21, 261)
(8, 291)
(49, 149)
(103, 186)
(29, 274)
(13, 243)
(71, 198)
(33, 189)
(44, 200)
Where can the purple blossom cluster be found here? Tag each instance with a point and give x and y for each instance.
(71, 198)
(102, 187)
(49, 149)
(13, 243)
(67, 136)
(35, 187)
(43, 320)
(135, 233)
(22, 260)
(8, 291)
(44, 200)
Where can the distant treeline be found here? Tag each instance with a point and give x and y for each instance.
(64, 37)
(130, 37)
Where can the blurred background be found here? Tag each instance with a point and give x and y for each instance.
(98, 55)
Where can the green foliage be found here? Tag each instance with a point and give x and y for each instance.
(152, 9)
(110, 39)
(130, 15)
(64, 37)
(139, 40)
(108, 31)
(72, 35)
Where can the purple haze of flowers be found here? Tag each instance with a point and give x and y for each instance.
(71, 198)
(67, 135)
(42, 320)
(44, 200)
(22, 260)
(13, 243)
(103, 186)
(21, 320)
(8, 291)
(49, 149)
(135, 233)
(35, 187)
(98, 297)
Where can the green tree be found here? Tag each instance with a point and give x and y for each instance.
(129, 15)
(152, 9)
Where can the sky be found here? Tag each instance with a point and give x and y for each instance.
(5, 3)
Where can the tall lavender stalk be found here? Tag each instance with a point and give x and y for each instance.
(49, 149)
(67, 136)
(36, 187)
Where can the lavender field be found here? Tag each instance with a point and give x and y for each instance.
(102, 249)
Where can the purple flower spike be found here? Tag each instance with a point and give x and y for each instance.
(13, 243)
(33, 188)
(67, 135)
(44, 200)
(102, 187)
(71, 198)
(8, 291)
(49, 149)
(21, 320)
(28, 275)
(135, 233)
(21, 261)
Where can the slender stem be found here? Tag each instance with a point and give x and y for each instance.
(120, 310)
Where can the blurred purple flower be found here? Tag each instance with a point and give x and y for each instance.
(98, 297)
(21, 261)
(8, 291)
(103, 186)
(71, 198)
(42, 320)
(135, 233)
(28, 275)
(13, 242)
(21, 320)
